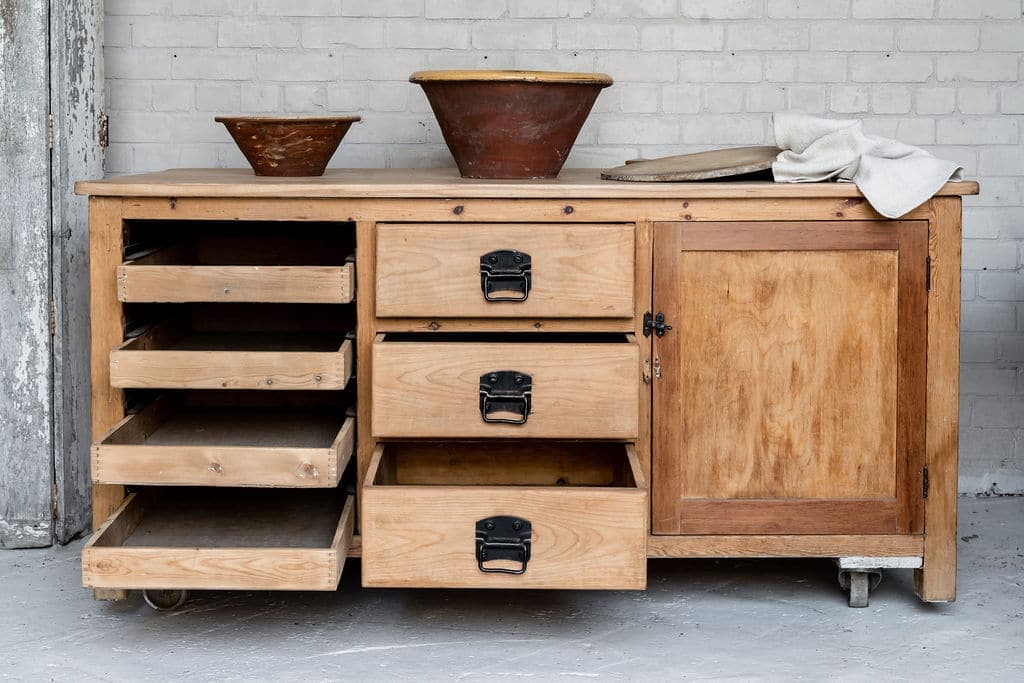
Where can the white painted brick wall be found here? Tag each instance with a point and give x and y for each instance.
(690, 74)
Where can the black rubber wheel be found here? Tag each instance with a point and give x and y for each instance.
(165, 600)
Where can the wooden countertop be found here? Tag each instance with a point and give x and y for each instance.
(445, 182)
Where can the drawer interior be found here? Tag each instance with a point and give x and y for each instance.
(582, 507)
(193, 518)
(303, 442)
(239, 327)
(238, 243)
(238, 539)
(506, 463)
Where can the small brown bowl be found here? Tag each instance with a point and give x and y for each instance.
(288, 146)
(510, 124)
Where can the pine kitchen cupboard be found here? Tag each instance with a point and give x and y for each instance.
(553, 380)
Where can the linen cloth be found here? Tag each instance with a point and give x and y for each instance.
(893, 176)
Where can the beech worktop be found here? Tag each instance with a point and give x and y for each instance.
(442, 182)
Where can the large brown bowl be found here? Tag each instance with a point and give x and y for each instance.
(510, 124)
(288, 146)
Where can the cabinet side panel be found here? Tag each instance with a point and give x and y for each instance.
(936, 581)
(107, 323)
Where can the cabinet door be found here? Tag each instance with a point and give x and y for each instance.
(789, 395)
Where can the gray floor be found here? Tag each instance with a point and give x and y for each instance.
(699, 619)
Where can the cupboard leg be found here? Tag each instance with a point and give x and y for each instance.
(936, 580)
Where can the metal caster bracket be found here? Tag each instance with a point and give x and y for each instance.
(165, 600)
(858, 576)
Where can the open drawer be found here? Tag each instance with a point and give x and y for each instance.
(168, 443)
(230, 539)
(238, 262)
(171, 356)
(505, 515)
(521, 386)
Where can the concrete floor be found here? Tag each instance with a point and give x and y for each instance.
(698, 619)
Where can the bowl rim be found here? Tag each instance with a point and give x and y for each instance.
(510, 76)
(287, 119)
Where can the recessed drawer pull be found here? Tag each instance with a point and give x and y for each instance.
(503, 538)
(506, 270)
(506, 392)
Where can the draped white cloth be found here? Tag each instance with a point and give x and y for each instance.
(893, 176)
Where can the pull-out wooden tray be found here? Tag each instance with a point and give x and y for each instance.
(168, 356)
(238, 539)
(162, 277)
(429, 386)
(434, 270)
(170, 444)
(587, 504)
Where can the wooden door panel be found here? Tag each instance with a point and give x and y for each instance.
(791, 395)
(794, 357)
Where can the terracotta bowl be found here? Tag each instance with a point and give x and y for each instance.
(510, 124)
(288, 146)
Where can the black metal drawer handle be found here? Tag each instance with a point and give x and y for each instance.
(503, 538)
(506, 270)
(506, 391)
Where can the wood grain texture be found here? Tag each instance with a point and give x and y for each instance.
(583, 537)
(106, 244)
(445, 182)
(642, 294)
(836, 417)
(716, 163)
(150, 361)
(788, 374)
(261, 284)
(578, 271)
(804, 545)
(912, 349)
(773, 516)
(217, 563)
(568, 209)
(366, 333)
(161, 446)
(432, 389)
(936, 581)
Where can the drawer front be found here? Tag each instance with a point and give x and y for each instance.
(164, 445)
(131, 551)
(157, 360)
(261, 284)
(426, 536)
(577, 390)
(446, 271)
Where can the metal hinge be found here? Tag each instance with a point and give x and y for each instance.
(55, 507)
(53, 318)
(49, 130)
(924, 483)
(928, 273)
(104, 130)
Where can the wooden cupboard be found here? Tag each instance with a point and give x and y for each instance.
(542, 383)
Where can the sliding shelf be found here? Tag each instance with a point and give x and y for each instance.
(170, 444)
(237, 539)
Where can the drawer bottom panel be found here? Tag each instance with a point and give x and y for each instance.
(225, 539)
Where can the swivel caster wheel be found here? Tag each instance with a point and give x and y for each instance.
(859, 583)
(165, 600)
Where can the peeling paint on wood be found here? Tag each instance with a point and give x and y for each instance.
(26, 472)
(76, 75)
